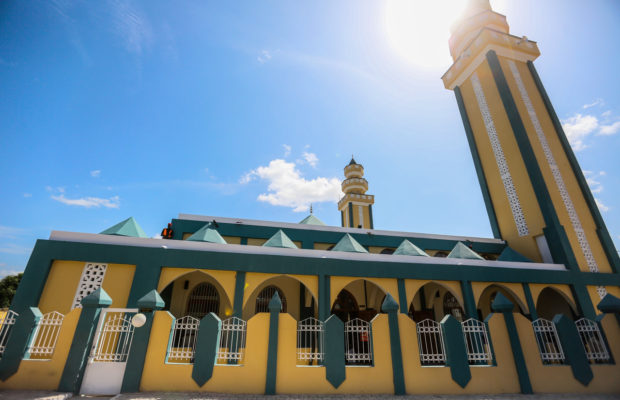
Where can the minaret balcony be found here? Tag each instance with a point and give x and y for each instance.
(356, 198)
(354, 171)
(354, 185)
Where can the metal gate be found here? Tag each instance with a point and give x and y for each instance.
(108, 357)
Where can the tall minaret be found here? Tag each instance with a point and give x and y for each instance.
(535, 193)
(356, 206)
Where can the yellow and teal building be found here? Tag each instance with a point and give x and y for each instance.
(249, 306)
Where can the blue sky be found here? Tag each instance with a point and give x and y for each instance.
(113, 109)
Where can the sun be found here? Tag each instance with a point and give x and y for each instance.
(418, 30)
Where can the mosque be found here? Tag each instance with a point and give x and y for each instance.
(248, 306)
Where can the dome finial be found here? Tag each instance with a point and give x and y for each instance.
(310, 208)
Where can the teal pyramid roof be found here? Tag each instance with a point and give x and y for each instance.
(406, 248)
(128, 227)
(462, 251)
(311, 220)
(347, 243)
(508, 254)
(207, 234)
(279, 239)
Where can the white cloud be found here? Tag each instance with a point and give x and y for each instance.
(577, 128)
(287, 150)
(310, 158)
(591, 178)
(9, 232)
(12, 248)
(27, 195)
(610, 129)
(600, 205)
(131, 25)
(287, 188)
(96, 173)
(88, 202)
(597, 102)
(606, 113)
(264, 56)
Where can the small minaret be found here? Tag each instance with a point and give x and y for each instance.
(356, 206)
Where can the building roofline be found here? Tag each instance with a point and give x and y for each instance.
(93, 238)
(326, 228)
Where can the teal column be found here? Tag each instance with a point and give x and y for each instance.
(610, 305)
(456, 352)
(402, 295)
(574, 353)
(351, 215)
(239, 291)
(372, 225)
(503, 305)
(139, 345)
(469, 300)
(207, 346)
(530, 301)
(145, 279)
(20, 335)
(583, 300)
(324, 297)
(275, 305)
(335, 370)
(243, 241)
(72, 375)
(391, 308)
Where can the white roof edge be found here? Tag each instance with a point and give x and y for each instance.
(291, 225)
(260, 250)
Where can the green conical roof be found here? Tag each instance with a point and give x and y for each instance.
(462, 251)
(207, 234)
(128, 227)
(311, 220)
(347, 243)
(279, 239)
(508, 254)
(406, 248)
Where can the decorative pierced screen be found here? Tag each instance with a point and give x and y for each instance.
(91, 280)
(500, 159)
(555, 171)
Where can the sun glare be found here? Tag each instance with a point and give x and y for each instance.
(418, 30)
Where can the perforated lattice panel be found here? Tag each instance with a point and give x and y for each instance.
(91, 280)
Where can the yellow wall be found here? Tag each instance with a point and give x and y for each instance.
(322, 246)
(559, 378)
(256, 242)
(246, 378)
(45, 375)
(232, 239)
(64, 277)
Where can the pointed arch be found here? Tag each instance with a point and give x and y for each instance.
(433, 300)
(300, 300)
(366, 295)
(488, 295)
(552, 301)
(176, 294)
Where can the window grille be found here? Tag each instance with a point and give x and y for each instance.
(310, 333)
(45, 337)
(592, 341)
(477, 342)
(232, 341)
(183, 345)
(548, 342)
(6, 323)
(115, 338)
(430, 342)
(358, 342)
(203, 300)
(264, 297)
(91, 280)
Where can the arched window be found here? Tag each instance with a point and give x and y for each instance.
(264, 297)
(203, 300)
(345, 306)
